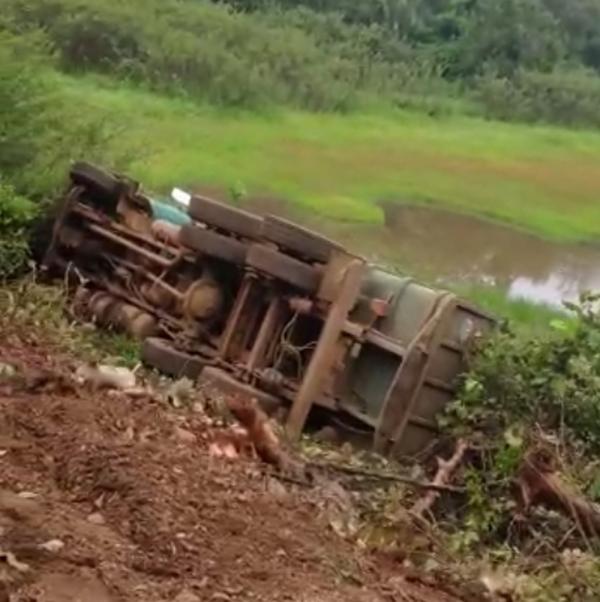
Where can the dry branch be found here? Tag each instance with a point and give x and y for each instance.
(383, 476)
(260, 432)
(538, 483)
(444, 473)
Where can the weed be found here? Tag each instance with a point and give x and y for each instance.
(39, 311)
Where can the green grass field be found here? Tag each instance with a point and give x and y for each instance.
(332, 169)
(543, 179)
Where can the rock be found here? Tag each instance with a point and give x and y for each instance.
(54, 545)
(16, 506)
(96, 518)
(223, 450)
(13, 562)
(328, 434)
(106, 377)
(277, 490)
(347, 450)
(129, 433)
(185, 436)
(186, 595)
(7, 371)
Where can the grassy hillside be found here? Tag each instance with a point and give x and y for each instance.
(540, 178)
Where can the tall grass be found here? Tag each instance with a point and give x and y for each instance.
(522, 314)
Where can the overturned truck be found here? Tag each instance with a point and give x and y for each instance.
(260, 305)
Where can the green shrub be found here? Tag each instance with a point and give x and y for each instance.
(327, 56)
(41, 132)
(549, 382)
(23, 102)
(523, 393)
(569, 97)
(16, 214)
(210, 52)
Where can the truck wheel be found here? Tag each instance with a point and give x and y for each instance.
(298, 240)
(99, 180)
(162, 355)
(213, 244)
(283, 267)
(224, 217)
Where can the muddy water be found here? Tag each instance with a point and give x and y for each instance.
(448, 248)
(455, 248)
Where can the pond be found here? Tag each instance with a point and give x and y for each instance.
(454, 248)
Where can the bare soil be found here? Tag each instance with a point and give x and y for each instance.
(144, 513)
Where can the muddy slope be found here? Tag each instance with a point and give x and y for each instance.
(105, 498)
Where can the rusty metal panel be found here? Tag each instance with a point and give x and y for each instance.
(413, 375)
(446, 364)
(415, 439)
(372, 377)
(431, 401)
(466, 323)
(409, 311)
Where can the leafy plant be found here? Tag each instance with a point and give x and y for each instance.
(16, 214)
(549, 382)
(524, 390)
(23, 102)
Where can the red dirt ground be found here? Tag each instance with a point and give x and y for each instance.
(145, 514)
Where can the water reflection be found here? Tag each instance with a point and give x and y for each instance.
(448, 248)
(456, 248)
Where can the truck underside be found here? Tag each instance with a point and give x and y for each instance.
(263, 306)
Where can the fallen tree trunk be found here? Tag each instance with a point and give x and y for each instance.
(538, 483)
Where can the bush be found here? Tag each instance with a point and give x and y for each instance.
(16, 214)
(210, 52)
(549, 382)
(40, 134)
(569, 97)
(527, 393)
(23, 102)
(333, 56)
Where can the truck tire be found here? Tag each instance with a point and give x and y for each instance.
(224, 217)
(213, 244)
(283, 267)
(298, 240)
(164, 357)
(100, 181)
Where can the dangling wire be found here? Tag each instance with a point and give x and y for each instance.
(287, 348)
